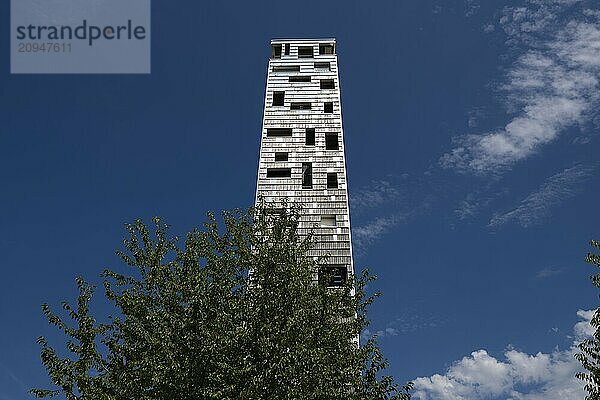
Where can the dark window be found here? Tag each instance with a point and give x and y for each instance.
(279, 172)
(325, 48)
(276, 51)
(328, 221)
(300, 106)
(278, 132)
(306, 175)
(275, 211)
(323, 66)
(287, 49)
(278, 98)
(310, 136)
(286, 68)
(332, 182)
(281, 156)
(300, 78)
(305, 52)
(331, 141)
(333, 275)
(327, 84)
(328, 108)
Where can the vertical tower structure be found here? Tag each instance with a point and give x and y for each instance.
(302, 155)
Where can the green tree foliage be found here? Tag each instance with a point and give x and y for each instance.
(232, 313)
(590, 348)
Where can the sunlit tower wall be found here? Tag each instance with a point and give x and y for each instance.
(302, 154)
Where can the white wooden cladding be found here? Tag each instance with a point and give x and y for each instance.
(319, 200)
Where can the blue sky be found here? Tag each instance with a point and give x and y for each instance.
(472, 144)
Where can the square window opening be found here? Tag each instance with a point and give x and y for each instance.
(307, 176)
(306, 52)
(286, 68)
(276, 51)
(332, 180)
(279, 172)
(281, 156)
(322, 66)
(328, 221)
(274, 211)
(299, 79)
(300, 106)
(310, 136)
(333, 275)
(328, 108)
(331, 141)
(279, 132)
(278, 98)
(327, 84)
(326, 48)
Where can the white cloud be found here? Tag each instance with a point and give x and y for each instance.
(363, 236)
(552, 86)
(553, 192)
(519, 376)
(583, 328)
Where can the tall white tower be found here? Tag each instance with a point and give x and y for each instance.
(302, 146)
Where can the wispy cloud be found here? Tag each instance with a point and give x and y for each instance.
(364, 235)
(553, 85)
(548, 376)
(474, 202)
(13, 383)
(476, 115)
(471, 8)
(409, 321)
(377, 193)
(548, 272)
(488, 28)
(468, 207)
(535, 207)
(382, 205)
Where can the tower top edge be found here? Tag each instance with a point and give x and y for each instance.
(304, 40)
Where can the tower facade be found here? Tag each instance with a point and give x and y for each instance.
(302, 155)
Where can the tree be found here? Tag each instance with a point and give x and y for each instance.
(233, 313)
(590, 348)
